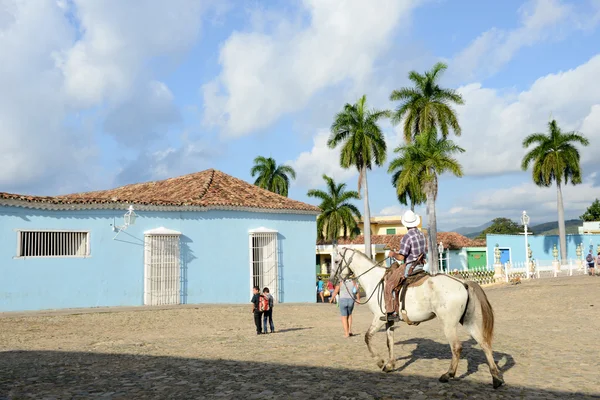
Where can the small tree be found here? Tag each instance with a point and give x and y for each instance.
(501, 226)
(592, 213)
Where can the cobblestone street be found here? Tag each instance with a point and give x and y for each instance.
(546, 345)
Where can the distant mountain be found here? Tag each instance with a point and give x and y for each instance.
(470, 230)
(545, 229)
(551, 228)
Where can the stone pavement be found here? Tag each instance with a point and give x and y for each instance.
(544, 344)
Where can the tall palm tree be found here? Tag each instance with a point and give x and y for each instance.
(363, 144)
(555, 159)
(273, 177)
(427, 158)
(426, 105)
(337, 213)
(412, 193)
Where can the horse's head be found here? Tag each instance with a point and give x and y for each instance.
(341, 265)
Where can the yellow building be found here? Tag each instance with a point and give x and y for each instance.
(384, 231)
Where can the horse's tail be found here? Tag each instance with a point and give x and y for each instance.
(487, 313)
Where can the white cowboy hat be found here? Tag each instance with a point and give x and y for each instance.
(410, 219)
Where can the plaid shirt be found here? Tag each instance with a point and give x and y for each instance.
(412, 245)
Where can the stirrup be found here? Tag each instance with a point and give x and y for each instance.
(407, 320)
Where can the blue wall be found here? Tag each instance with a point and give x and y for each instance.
(541, 246)
(214, 249)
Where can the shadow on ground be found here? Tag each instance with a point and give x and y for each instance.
(72, 375)
(430, 349)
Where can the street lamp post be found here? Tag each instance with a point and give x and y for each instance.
(525, 222)
(441, 253)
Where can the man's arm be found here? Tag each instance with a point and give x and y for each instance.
(404, 249)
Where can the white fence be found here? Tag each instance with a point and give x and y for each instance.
(516, 271)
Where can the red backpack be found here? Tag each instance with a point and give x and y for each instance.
(263, 303)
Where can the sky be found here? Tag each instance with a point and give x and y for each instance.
(98, 94)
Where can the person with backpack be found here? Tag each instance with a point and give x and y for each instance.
(268, 313)
(256, 308)
(590, 263)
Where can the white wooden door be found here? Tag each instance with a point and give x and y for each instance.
(263, 262)
(162, 269)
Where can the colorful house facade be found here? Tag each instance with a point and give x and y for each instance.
(513, 250)
(459, 253)
(206, 237)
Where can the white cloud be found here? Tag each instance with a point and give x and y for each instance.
(540, 203)
(494, 124)
(60, 60)
(162, 164)
(311, 165)
(393, 210)
(540, 20)
(34, 143)
(118, 38)
(146, 115)
(266, 75)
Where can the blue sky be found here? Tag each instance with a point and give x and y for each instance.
(97, 95)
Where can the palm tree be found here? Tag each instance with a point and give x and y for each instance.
(555, 159)
(426, 105)
(413, 192)
(271, 176)
(363, 143)
(337, 213)
(426, 158)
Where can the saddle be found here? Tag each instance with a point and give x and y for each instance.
(413, 279)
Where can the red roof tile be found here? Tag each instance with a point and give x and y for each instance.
(209, 188)
(451, 240)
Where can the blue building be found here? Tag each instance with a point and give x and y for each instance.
(206, 237)
(512, 247)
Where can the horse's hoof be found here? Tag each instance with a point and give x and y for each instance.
(380, 363)
(445, 378)
(388, 367)
(497, 382)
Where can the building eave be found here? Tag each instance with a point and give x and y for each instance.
(143, 207)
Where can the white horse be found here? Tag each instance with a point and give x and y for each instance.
(453, 301)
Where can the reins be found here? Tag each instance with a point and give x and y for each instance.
(377, 265)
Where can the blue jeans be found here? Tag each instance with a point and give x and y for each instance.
(346, 306)
(269, 315)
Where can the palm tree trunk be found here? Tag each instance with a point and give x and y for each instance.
(432, 233)
(561, 225)
(430, 192)
(367, 216)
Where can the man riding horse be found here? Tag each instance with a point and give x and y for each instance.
(413, 248)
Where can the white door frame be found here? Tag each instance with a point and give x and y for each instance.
(272, 247)
(169, 285)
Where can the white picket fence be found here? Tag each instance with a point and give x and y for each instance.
(510, 272)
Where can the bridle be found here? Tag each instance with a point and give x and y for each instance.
(347, 262)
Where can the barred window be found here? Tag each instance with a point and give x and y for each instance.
(53, 244)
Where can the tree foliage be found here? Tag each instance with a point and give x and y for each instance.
(337, 213)
(357, 129)
(555, 158)
(592, 213)
(424, 160)
(501, 226)
(426, 105)
(273, 177)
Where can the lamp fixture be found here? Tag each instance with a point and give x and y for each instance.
(128, 219)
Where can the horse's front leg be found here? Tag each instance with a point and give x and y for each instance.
(375, 326)
(391, 364)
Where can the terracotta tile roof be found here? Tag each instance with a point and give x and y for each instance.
(203, 189)
(452, 240)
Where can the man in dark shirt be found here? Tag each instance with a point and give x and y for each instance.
(255, 310)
